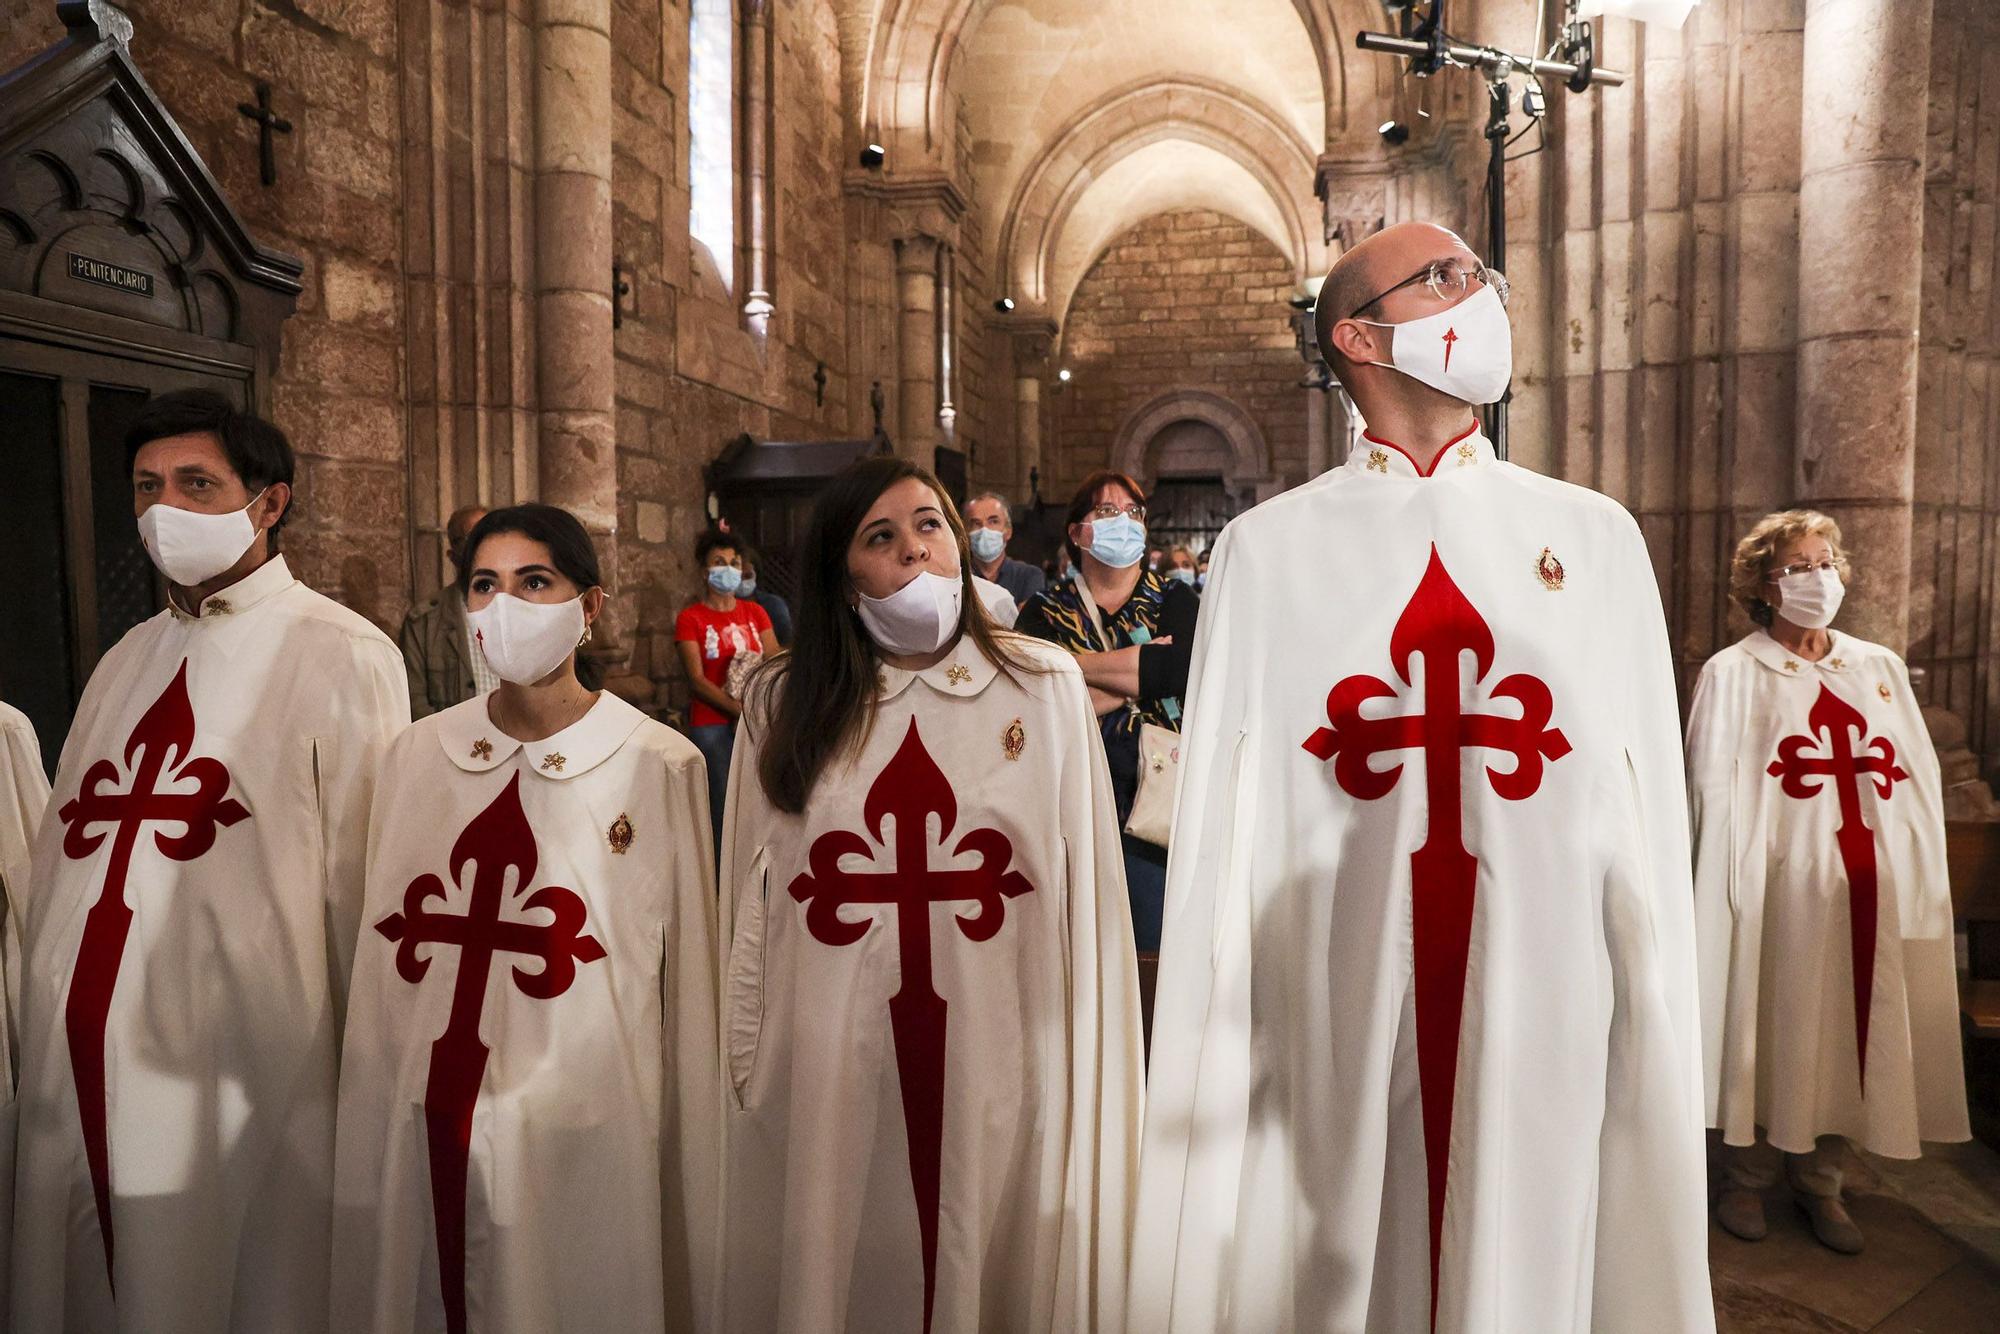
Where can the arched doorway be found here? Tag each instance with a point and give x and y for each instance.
(1188, 461)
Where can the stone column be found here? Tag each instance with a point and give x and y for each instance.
(1027, 432)
(947, 343)
(1861, 197)
(574, 364)
(756, 34)
(1032, 339)
(917, 349)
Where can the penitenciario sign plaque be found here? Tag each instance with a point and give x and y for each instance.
(105, 274)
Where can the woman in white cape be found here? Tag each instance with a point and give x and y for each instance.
(930, 1008)
(530, 1099)
(1829, 1000)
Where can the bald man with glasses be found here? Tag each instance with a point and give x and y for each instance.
(1426, 1052)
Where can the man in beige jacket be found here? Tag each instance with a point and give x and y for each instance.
(444, 666)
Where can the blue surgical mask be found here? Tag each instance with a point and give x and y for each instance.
(747, 589)
(1119, 542)
(1185, 576)
(725, 578)
(987, 543)
(1201, 580)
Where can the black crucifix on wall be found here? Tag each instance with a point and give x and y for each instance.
(260, 111)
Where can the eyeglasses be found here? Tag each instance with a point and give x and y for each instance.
(1107, 511)
(1448, 280)
(1800, 567)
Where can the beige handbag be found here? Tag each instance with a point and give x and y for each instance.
(1152, 817)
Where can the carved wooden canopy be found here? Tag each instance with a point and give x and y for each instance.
(105, 206)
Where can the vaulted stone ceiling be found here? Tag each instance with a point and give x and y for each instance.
(1069, 121)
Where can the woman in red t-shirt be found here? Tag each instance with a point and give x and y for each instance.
(712, 632)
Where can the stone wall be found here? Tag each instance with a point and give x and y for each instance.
(456, 172)
(1190, 300)
(1702, 341)
(1955, 538)
(337, 205)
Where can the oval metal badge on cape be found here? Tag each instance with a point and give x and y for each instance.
(1549, 570)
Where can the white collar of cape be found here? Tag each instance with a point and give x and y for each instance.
(1846, 653)
(264, 582)
(961, 673)
(1373, 456)
(583, 745)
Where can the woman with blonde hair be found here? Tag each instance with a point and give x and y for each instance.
(1823, 913)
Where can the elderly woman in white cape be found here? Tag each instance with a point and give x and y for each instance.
(1829, 1001)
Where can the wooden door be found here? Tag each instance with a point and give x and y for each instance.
(67, 533)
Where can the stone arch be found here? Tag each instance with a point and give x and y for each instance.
(915, 43)
(1134, 117)
(1249, 454)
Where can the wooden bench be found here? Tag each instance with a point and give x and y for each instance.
(1972, 857)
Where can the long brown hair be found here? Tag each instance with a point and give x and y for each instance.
(824, 687)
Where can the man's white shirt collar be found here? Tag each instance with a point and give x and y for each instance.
(1375, 456)
(267, 580)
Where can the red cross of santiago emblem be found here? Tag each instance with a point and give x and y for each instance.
(910, 790)
(499, 846)
(166, 784)
(1438, 626)
(1849, 754)
(1450, 337)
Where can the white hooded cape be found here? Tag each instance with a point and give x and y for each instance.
(1779, 858)
(24, 794)
(538, 1150)
(934, 1111)
(1425, 705)
(191, 921)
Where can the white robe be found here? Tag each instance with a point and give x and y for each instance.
(1775, 857)
(1310, 974)
(1000, 1027)
(575, 1184)
(24, 793)
(210, 977)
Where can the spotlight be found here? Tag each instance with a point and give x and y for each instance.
(1393, 132)
(1063, 375)
(1004, 304)
(874, 156)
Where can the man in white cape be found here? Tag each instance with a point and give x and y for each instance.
(192, 913)
(24, 794)
(1425, 1050)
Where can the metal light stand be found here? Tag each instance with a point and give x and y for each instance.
(1428, 47)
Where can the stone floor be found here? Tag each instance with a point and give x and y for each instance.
(1932, 1263)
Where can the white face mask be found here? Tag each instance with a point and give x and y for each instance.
(1466, 351)
(525, 641)
(1811, 599)
(920, 617)
(192, 548)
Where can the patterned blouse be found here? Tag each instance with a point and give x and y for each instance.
(1057, 615)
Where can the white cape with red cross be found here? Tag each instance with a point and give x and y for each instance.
(1812, 1027)
(1425, 1049)
(24, 794)
(530, 1110)
(931, 1020)
(191, 916)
